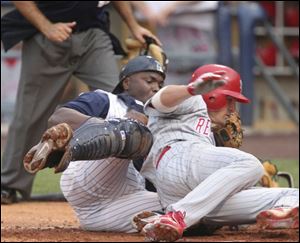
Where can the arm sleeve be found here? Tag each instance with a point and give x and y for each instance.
(91, 103)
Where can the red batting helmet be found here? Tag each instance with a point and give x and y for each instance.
(216, 99)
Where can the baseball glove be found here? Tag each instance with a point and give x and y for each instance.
(270, 171)
(272, 175)
(231, 135)
(50, 150)
(136, 48)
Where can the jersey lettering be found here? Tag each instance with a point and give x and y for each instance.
(203, 126)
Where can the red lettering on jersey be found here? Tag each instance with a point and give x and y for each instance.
(203, 126)
(200, 124)
(207, 127)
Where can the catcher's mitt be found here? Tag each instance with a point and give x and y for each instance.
(231, 135)
(50, 150)
(136, 48)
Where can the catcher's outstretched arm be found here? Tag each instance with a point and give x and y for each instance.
(72, 117)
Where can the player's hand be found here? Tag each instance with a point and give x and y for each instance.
(59, 32)
(206, 83)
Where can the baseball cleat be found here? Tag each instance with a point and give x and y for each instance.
(49, 151)
(279, 218)
(168, 227)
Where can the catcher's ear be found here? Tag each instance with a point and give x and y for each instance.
(125, 84)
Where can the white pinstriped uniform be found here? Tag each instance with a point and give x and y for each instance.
(106, 193)
(214, 184)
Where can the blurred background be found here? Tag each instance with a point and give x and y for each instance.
(258, 39)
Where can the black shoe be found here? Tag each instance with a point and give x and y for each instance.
(8, 196)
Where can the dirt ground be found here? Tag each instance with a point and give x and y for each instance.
(56, 222)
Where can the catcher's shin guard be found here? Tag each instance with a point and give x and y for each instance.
(99, 139)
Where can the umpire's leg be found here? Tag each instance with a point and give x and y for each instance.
(97, 65)
(40, 88)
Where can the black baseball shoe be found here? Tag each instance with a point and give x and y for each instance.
(8, 196)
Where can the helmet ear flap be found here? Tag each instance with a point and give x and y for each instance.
(212, 99)
(215, 101)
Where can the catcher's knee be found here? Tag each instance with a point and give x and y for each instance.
(138, 140)
(122, 138)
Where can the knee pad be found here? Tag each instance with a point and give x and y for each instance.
(138, 141)
(121, 138)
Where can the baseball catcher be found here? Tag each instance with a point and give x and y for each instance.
(102, 138)
(105, 137)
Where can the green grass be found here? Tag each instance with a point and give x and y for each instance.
(48, 182)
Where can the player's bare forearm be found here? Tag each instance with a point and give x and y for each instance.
(67, 115)
(173, 95)
(32, 13)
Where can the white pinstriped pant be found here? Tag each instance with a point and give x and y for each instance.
(215, 184)
(105, 194)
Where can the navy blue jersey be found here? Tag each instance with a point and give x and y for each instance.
(102, 104)
(91, 104)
